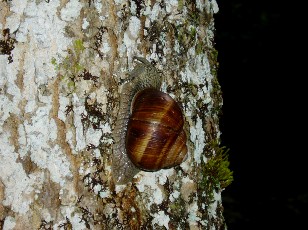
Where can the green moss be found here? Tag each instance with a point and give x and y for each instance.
(218, 168)
(213, 55)
(78, 46)
(200, 47)
(178, 213)
(180, 5)
(193, 32)
(69, 67)
(186, 36)
(55, 63)
(216, 172)
(216, 94)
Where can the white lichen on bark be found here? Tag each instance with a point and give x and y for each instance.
(59, 100)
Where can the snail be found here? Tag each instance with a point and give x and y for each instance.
(148, 133)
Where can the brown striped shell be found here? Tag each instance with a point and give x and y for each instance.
(155, 138)
(124, 168)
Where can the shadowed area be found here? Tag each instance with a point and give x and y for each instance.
(260, 73)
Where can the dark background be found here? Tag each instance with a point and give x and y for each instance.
(262, 69)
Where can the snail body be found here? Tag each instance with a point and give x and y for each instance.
(148, 133)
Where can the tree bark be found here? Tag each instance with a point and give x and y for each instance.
(62, 69)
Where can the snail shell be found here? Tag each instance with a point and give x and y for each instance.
(155, 137)
(144, 76)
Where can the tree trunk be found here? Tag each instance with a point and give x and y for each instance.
(62, 69)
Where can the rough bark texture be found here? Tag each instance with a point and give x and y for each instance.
(62, 67)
